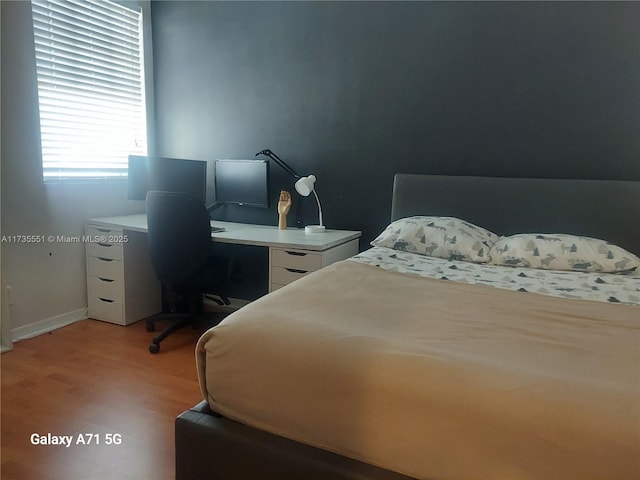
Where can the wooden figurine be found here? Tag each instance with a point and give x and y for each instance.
(284, 205)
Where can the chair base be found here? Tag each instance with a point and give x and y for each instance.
(190, 313)
(178, 321)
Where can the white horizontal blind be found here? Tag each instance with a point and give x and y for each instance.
(90, 87)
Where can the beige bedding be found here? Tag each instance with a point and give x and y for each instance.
(434, 379)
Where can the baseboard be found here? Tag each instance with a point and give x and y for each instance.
(48, 324)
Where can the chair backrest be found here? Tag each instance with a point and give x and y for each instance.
(179, 236)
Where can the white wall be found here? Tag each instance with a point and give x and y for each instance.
(48, 280)
(5, 326)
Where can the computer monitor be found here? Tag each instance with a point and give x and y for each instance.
(242, 182)
(167, 174)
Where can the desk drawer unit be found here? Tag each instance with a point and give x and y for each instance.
(121, 286)
(287, 265)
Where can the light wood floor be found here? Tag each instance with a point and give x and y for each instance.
(93, 377)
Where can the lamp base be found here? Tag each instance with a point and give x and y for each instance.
(314, 229)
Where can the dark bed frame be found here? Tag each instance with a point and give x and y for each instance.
(209, 446)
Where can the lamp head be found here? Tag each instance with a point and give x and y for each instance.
(304, 185)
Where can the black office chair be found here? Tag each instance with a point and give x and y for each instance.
(183, 258)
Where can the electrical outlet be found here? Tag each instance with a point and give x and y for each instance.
(9, 295)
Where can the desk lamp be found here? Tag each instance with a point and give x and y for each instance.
(304, 186)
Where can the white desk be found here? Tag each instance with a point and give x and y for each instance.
(122, 287)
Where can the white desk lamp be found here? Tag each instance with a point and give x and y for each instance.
(304, 186)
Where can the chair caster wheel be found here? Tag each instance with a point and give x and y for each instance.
(150, 327)
(153, 348)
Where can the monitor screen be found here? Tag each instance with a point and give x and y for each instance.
(166, 174)
(242, 182)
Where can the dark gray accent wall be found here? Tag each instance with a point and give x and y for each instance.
(356, 91)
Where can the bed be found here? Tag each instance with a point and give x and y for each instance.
(379, 368)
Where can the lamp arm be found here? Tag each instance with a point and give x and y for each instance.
(279, 161)
(319, 207)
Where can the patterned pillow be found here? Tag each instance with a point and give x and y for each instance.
(443, 237)
(562, 252)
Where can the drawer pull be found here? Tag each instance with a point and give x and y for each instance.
(105, 259)
(297, 254)
(295, 270)
(106, 300)
(106, 245)
(103, 230)
(108, 280)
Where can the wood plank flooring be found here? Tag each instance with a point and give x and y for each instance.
(93, 377)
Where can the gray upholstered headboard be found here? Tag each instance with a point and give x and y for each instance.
(606, 209)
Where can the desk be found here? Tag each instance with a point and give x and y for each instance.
(121, 285)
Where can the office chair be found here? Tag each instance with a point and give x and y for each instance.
(182, 256)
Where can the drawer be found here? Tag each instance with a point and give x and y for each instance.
(102, 309)
(98, 231)
(105, 268)
(110, 248)
(105, 250)
(284, 276)
(297, 259)
(105, 289)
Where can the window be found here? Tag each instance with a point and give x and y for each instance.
(90, 70)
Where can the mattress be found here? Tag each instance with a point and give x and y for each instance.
(433, 378)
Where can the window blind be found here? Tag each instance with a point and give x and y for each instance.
(90, 70)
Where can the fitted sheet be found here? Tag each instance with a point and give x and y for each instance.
(600, 287)
(434, 379)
